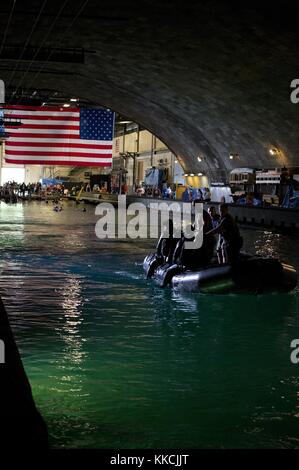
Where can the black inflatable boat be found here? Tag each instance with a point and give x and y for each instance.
(252, 274)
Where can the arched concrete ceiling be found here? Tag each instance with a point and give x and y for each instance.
(208, 79)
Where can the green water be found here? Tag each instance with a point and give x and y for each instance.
(116, 362)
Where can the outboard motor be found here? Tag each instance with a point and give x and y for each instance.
(150, 264)
(165, 273)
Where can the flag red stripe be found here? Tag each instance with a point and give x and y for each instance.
(45, 126)
(57, 154)
(58, 145)
(42, 118)
(56, 163)
(43, 136)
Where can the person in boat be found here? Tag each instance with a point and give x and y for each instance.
(197, 258)
(214, 216)
(230, 240)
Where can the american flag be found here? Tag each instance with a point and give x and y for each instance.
(59, 136)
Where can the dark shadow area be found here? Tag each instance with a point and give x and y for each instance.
(21, 423)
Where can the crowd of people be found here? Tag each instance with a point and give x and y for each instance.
(102, 189)
(196, 194)
(165, 192)
(8, 191)
(13, 191)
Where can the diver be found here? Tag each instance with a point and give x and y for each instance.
(196, 258)
(230, 240)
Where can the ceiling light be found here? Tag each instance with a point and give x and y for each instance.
(231, 156)
(124, 122)
(273, 151)
(199, 174)
(74, 100)
(66, 105)
(199, 159)
(191, 174)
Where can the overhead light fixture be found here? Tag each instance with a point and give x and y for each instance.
(74, 100)
(273, 151)
(191, 174)
(66, 105)
(186, 174)
(124, 122)
(199, 174)
(175, 161)
(44, 103)
(233, 155)
(199, 159)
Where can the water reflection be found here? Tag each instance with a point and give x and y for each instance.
(268, 244)
(73, 355)
(185, 302)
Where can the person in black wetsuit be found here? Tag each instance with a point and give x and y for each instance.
(230, 242)
(194, 259)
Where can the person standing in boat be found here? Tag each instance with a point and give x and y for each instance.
(230, 242)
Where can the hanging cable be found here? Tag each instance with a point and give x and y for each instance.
(63, 35)
(7, 26)
(40, 47)
(27, 42)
